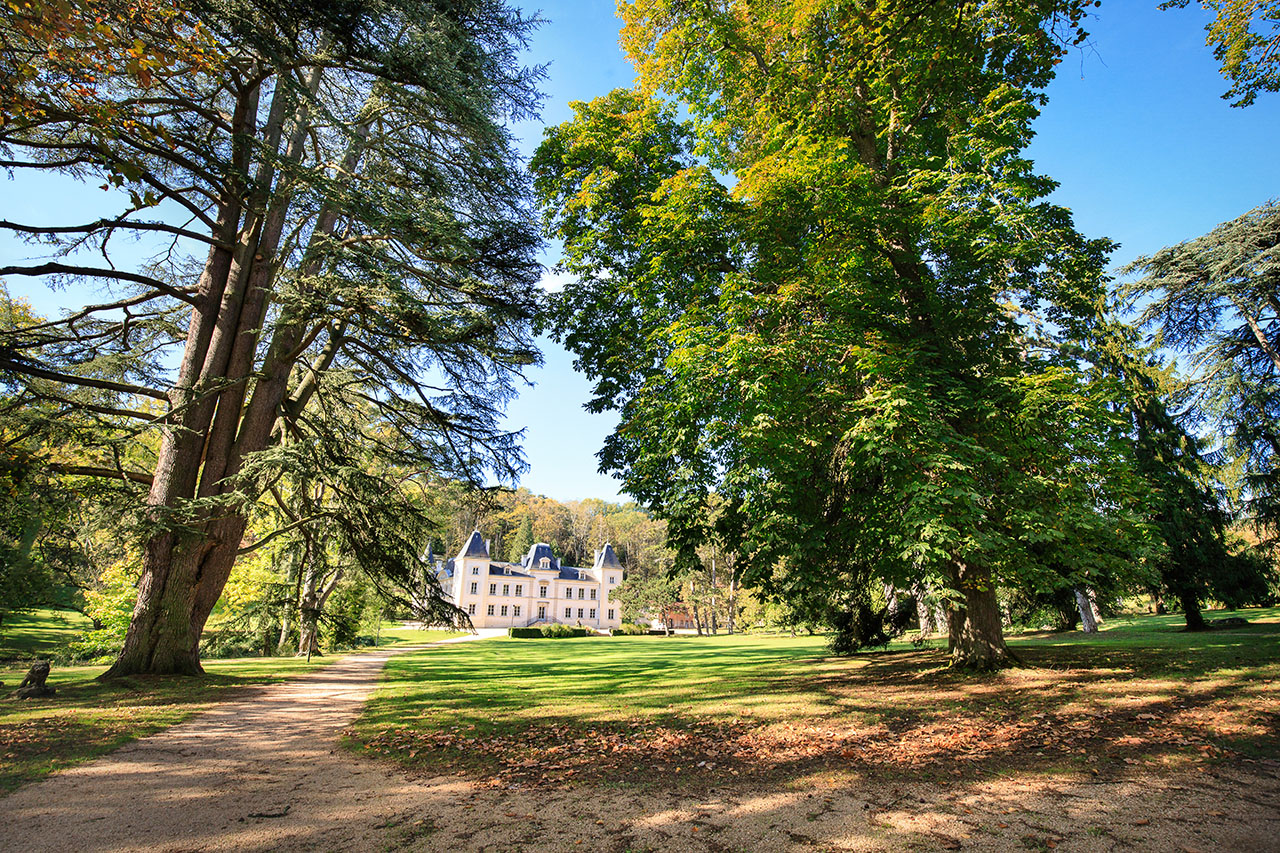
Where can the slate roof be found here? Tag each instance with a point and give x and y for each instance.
(510, 570)
(534, 558)
(475, 547)
(572, 573)
(607, 559)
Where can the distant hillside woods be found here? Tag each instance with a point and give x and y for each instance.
(512, 521)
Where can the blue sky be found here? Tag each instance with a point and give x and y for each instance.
(1144, 148)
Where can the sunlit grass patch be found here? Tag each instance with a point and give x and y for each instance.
(624, 710)
(37, 633)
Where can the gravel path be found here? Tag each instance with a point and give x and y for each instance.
(264, 773)
(258, 773)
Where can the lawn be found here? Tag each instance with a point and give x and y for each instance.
(24, 636)
(88, 718)
(639, 710)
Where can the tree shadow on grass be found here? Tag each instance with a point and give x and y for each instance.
(1098, 709)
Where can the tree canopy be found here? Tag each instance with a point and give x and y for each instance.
(1245, 37)
(860, 340)
(1216, 298)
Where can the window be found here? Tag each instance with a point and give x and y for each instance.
(544, 563)
(490, 609)
(612, 579)
(579, 612)
(542, 592)
(506, 589)
(471, 610)
(504, 610)
(542, 611)
(610, 614)
(582, 592)
(493, 589)
(474, 588)
(593, 595)
(519, 589)
(515, 611)
(568, 613)
(475, 570)
(592, 614)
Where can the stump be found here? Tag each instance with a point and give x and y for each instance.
(33, 686)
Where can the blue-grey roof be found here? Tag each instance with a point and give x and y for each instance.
(606, 559)
(533, 559)
(475, 547)
(507, 570)
(573, 573)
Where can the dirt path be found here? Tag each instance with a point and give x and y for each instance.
(264, 773)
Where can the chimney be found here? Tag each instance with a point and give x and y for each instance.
(486, 546)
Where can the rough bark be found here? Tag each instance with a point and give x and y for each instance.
(184, 573)
(976, 636)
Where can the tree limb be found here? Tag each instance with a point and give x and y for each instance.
(53, 268)
(9, 363)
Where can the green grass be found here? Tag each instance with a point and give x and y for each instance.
(37, 633)
(787, 708)
(396, 634)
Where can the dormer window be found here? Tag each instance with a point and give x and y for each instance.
(544, 563)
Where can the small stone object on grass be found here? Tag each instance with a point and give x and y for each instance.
(33, 686)
(1230, 622)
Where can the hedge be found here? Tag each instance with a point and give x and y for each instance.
(553, 631)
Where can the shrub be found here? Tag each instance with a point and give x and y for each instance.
(526, 633)
(557, 631)
(629, 629)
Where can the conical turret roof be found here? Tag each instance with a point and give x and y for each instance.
(475, 547)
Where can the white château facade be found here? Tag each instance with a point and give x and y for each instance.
(535, 591)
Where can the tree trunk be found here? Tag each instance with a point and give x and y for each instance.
(890, 600)
(712, 614)
(283, 639)
(184, 571)
(1191, 611)
(923, 612)
(313, 601)
(1087, 622)
(731, 616)
(975, 634)
(1093, 604)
